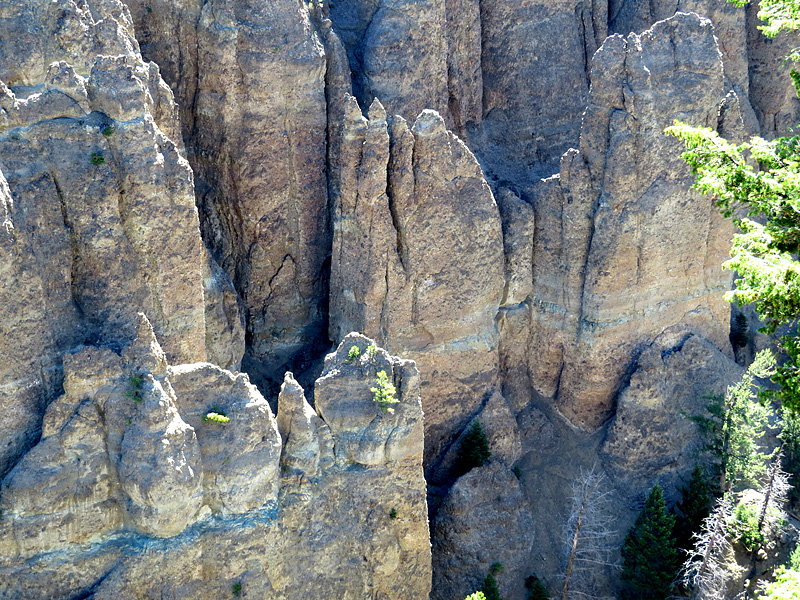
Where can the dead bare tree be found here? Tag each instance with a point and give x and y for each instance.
(703, 571)
(776, 495)
(589, 538)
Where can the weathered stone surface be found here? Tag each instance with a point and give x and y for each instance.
(365, 432)
(730, 28)
(533, 100)
(307, 440)
(99, 216)
(251, 81)
(418, 262)
(502, 433)
(397, 51)
(484, 519)
(644, 250)
(129, 460)
(240, 457)
(651, 437)
(463, 29)
(160, 465)
(771, 91)
(518, 229)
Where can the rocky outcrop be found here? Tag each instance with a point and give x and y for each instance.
(251, 83)
(397, 52)
(652, 437)
(418, 258)
(771, 91)
(502, 433)
(626, 16)
(483, 520)
(98, 209)
(533, 100)
(157, 468)
(622, 219)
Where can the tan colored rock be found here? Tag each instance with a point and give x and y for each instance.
(100, 221)
(464, 75)
(363, 430)
(251, 83)
(63, 491)
(240, 456)
(135, 461)
(484, 519)
(418, 263)
(650, 246)
(652, 437)
(518, 229)
(397, 51)
(771, 91)
(308, 443)
(729, 27)
(160, 467)
(501, 430)
(533, 99)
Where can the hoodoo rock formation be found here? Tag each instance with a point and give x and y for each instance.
(482, 190)
(145, 467)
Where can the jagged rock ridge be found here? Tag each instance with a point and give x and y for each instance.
(331, 199)
(138, 450)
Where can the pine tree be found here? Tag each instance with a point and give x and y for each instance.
(694, 507)
(474, 450)
(736, 425)
(650, 555)
(536, 589)
(490, 589)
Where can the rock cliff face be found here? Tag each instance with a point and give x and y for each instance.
(481, 187)
(624, 199)
(418, 258)
(179, 471)
(251, 83)
(99, 219)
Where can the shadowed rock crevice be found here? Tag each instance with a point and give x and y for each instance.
(251, 84)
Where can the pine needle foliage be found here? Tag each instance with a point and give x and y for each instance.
(695, 505)
(474, 450)
(650, 554)
(736, 424)
(384, 392)
(536, 589)
(490, 589)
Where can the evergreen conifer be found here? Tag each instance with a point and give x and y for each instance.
(490, 589)
(474, 450)
(694, 507)
(536, 589)
(650, 554)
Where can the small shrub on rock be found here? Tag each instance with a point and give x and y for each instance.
(216, 415)
(354, 354)
(385, 394)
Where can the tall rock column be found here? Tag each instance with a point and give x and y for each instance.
(652, 247)
(418, 261)
(250, 78)
(97, 208)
